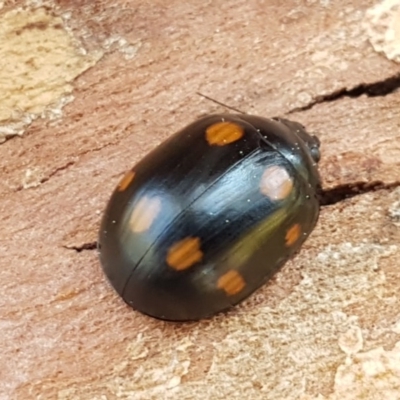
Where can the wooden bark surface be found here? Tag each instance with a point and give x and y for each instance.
(328, 325)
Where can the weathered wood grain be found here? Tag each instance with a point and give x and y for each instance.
(66, 334)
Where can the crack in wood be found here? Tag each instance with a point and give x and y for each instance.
(45, 179)
(375, 89)
(65, 166)
(56, 171)
(84, 246)
(336, 194)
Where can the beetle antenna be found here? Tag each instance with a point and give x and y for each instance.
(221, 104)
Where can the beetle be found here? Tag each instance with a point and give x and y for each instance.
(210, 215)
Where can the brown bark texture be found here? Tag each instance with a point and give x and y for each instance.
(89, 88)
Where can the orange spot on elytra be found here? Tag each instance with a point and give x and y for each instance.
(126, 181)
(276, 183)
(292, 235)
(223, 133)
(231, 282)
(144, 214)
(184, 253)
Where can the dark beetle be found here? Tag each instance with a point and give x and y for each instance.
(210, 215)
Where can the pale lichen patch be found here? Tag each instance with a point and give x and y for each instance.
(351, 341)
(39, 59)
(370, 375)
(382, 23)
(128, 49)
